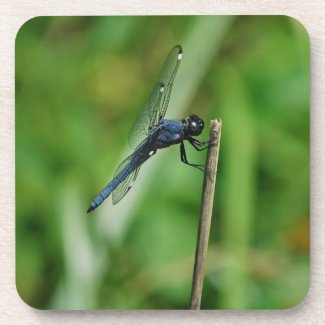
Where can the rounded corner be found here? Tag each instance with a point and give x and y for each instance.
(22, 298)
(24, 24)
(301, 301)
(301, 25)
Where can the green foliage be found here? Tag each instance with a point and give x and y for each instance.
(80, 83)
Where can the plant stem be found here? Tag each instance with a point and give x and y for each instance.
(206, 214)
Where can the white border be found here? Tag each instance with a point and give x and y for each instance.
(15, 12)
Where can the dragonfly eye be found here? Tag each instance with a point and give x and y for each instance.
(195, 125)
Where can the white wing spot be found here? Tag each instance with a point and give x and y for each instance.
(151, 153)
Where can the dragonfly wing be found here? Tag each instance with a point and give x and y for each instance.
(156, 106)
(166, 77)
(141, 127)
(125, 185)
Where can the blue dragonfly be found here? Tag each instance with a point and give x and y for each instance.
(151, 132)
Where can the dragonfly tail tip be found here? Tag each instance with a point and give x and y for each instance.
(90, 209)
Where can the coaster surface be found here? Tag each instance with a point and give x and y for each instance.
(81, 85)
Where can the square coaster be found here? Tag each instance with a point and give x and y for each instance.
(99, 97)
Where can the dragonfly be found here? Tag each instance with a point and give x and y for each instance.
(151, 131)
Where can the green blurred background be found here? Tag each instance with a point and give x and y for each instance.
(81, 82)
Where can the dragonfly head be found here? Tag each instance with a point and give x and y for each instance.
(194, 125)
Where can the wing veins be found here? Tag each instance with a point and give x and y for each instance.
(157, 104)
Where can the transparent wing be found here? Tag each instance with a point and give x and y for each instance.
(124, 186)
(167, 77)
(141, 127)
(156, 106)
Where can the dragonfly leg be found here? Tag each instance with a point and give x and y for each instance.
(198, 145)
(185, 161)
